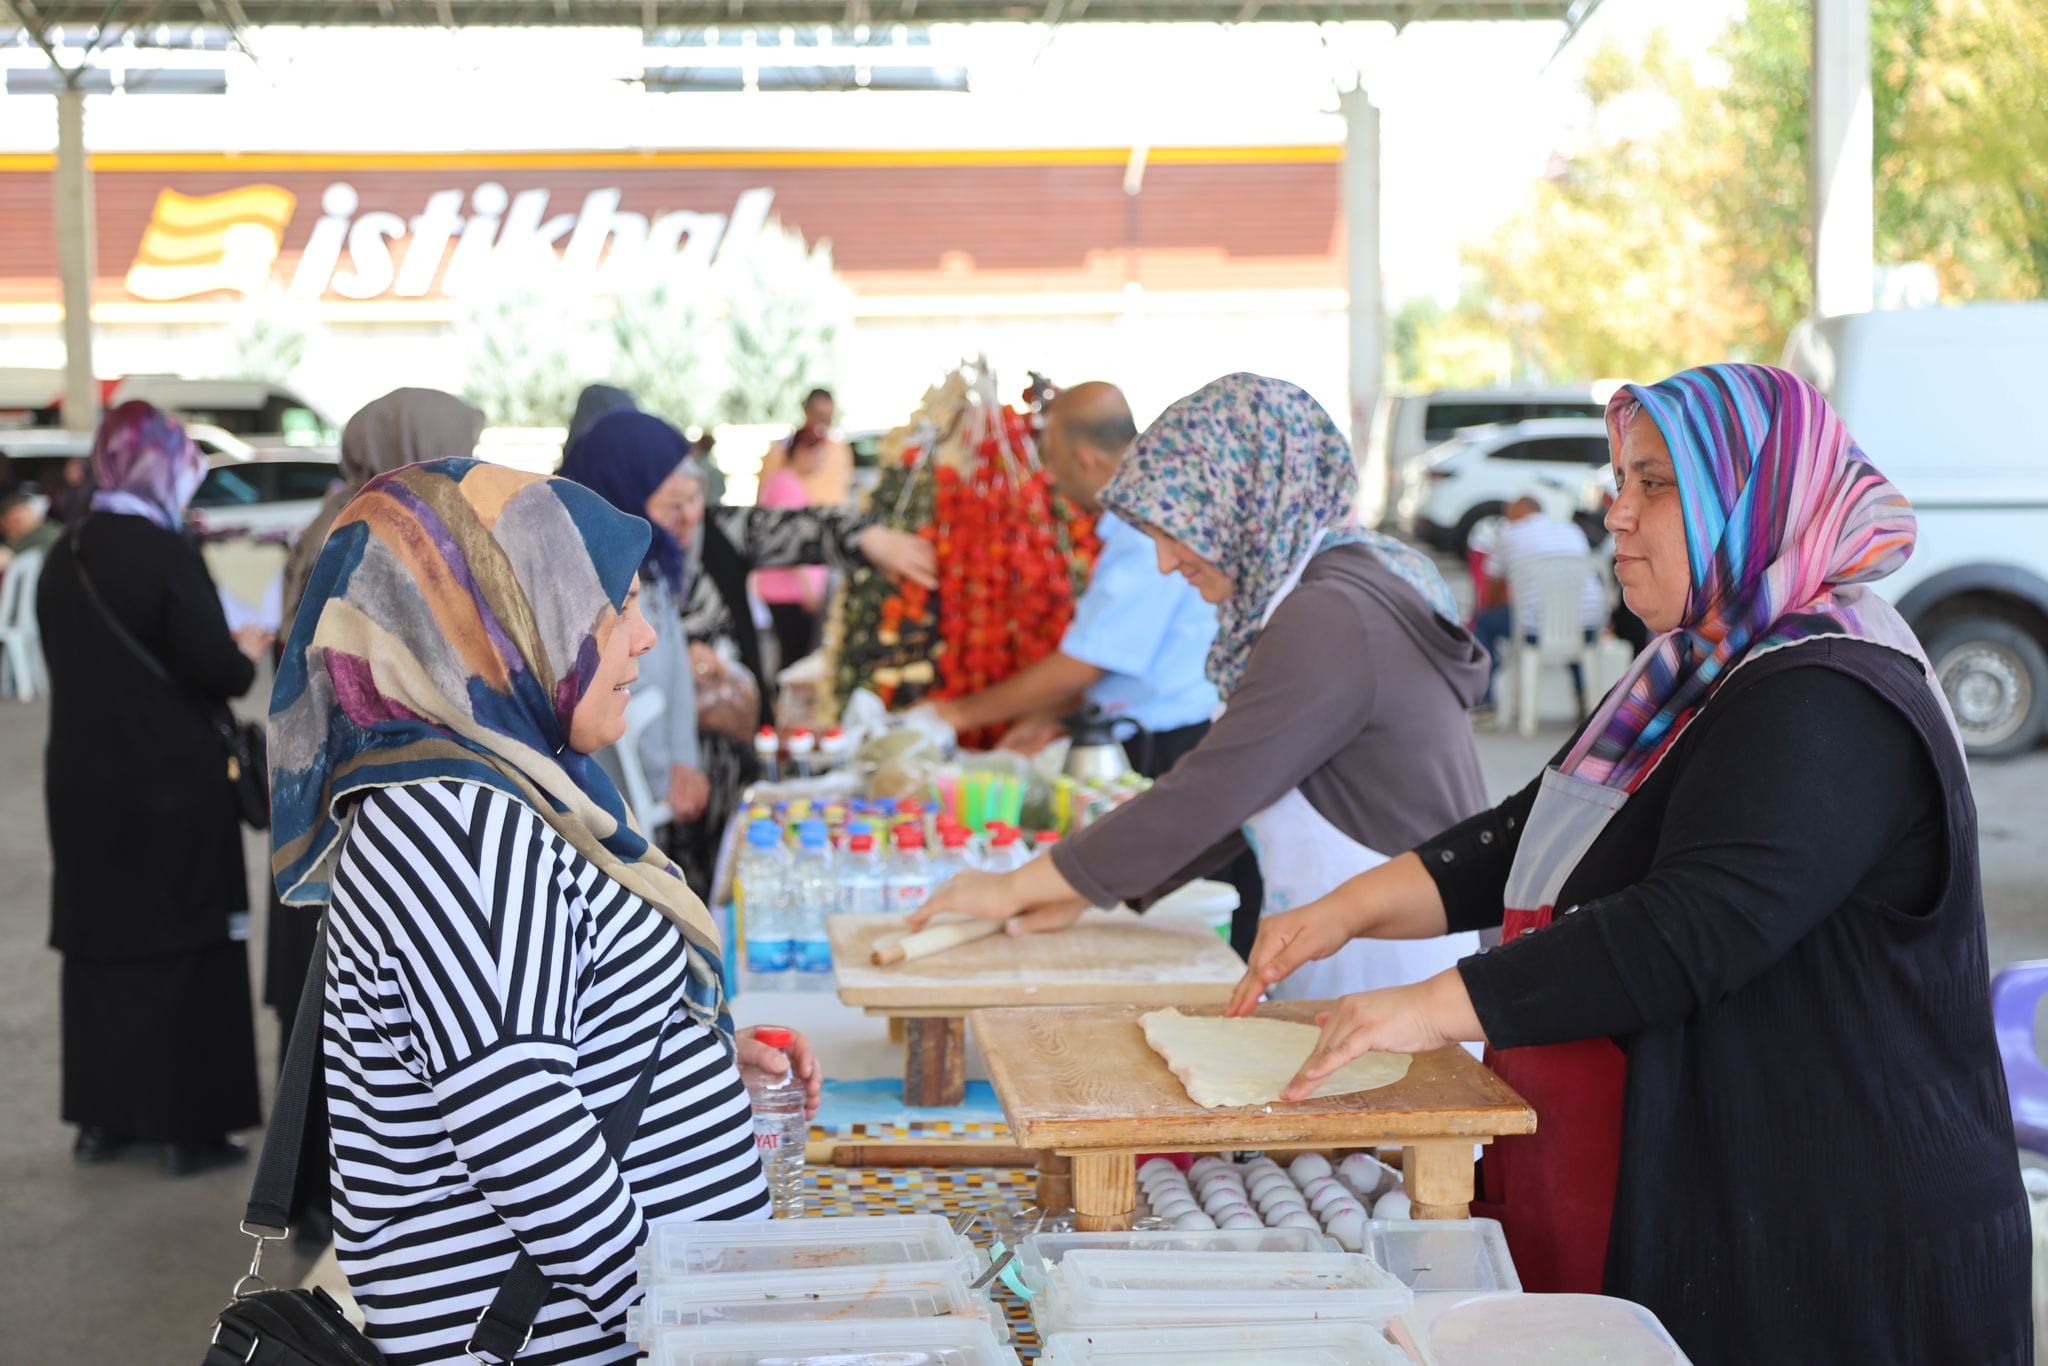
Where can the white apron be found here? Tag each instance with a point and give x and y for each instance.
(1303, 857)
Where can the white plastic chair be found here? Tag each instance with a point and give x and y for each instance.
(22, 674)
(645, 708)
(1555, 587)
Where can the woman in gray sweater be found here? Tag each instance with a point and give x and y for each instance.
(1345, 675)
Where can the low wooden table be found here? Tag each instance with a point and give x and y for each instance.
(1082, 1083)
(1110, 957)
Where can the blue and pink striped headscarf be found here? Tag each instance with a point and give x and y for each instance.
(1785, 520)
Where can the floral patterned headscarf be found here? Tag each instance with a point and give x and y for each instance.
(144, 465)
(1252, 475)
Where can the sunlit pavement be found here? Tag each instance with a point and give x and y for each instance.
(119, 1264)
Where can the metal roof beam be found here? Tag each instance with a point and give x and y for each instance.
(45, 15)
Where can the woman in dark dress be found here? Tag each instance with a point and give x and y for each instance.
(149, 898)
(1757, 1031)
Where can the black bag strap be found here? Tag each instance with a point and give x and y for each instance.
(121, 632)
(507, 1324)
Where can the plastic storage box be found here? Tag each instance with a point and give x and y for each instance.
(812, 1297)
(1273, 1344)
(1097, 1288)
(1038, 1254)
(1550, 1330)
(1432, 1255)
(720, 1248)
(925, 1342)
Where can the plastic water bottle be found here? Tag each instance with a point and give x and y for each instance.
(910, 872)
(767, 745)
(863, 882)
(1004, 854)
(780, 1129)
(764, 887)
(802, 745)
(816, 895)
(953, 856)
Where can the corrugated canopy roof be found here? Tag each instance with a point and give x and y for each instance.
(653, 14)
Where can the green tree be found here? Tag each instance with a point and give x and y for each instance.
(672, 349)
(528, 352)
(785, 311)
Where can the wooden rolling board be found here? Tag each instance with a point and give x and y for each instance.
(1083, 1079)
(1109, 957)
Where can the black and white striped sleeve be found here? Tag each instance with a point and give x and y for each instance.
(478, 938)
(775, 538)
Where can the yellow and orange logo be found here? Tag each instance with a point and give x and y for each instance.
(198, 244)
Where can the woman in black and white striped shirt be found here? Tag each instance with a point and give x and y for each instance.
(507, 953)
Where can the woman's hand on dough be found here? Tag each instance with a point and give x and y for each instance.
(1286, 941)
(1418, 1018)
(759, 1062)
(982, 896)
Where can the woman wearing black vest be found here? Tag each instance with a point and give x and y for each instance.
(1744, 978)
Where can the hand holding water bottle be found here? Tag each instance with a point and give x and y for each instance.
(771, 1063)
(784, 1082)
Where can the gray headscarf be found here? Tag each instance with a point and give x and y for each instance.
(405, 427)
(597, 401)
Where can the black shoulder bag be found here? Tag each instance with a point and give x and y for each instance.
(248, 752)
(265, 1325)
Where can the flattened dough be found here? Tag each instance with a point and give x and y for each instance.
(1249, 1061)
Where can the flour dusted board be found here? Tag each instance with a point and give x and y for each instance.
(1109, 957)
(1084, 1078)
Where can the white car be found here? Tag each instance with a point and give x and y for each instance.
(1407, 426)
(1477, 473)
(259, 492)
(1942, 400)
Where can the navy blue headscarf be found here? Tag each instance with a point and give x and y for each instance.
(624, 458)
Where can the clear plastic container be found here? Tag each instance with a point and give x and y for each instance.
(863, 881)
(890, 1342)
(780, 1129)
(814, 895)
(1098, 1288)
(813, 1297)
(1437, 1255)
(1038, 1254)
(763, 896)
(1550, 1330)
(1271, 1344)
(714, 1248)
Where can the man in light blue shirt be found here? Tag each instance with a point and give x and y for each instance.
(1139, 640)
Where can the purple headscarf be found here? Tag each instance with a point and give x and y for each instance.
(144, 465)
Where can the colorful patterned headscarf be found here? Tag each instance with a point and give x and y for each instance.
(1785, 519)
(144, 465)
(1252, 475)
(452, 623)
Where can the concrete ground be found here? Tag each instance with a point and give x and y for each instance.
(118, 1264)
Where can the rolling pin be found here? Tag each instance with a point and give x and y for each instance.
(932, 939)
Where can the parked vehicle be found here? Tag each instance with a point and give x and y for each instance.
(1941, 399)
(1406, 426)
(252, 409)
(1477, 473)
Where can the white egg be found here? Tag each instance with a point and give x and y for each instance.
(1365, 1174)
(1212, 1189)
(1315, 1187)
(1349, 1230)
(1156, 1163)
(1193, 1219)
(1260, 1160)
(1337, 1207)
(1279, 1198)
(1243, 1219)
(1263, 1181)
(1308, 1167)
(1392, 1205)
(1173, 1206)
(1158, 1188)
(1297, 1218)
(1222, 1212)
(1208, 1162)
(1332, 1194)
(1223, 1200)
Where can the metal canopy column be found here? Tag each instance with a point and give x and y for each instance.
(77, 249)
(1841, 177)
(1368, 332)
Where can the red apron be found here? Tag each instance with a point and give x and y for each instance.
(1553, 1190)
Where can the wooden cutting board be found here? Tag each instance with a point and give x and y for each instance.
(1083, 1078)
(1109, 957)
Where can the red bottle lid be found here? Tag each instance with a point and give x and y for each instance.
(775, 1036)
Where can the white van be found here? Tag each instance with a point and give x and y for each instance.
(1941, 400)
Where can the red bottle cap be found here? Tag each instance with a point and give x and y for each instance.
(956, 838)
(909, 837)
(1046, 837)
(861, 844)
(775, 1036)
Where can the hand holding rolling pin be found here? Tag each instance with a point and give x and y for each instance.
(1032, 900)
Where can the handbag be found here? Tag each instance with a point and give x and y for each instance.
(728, 698)
(267, 1325)
(248, 749)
